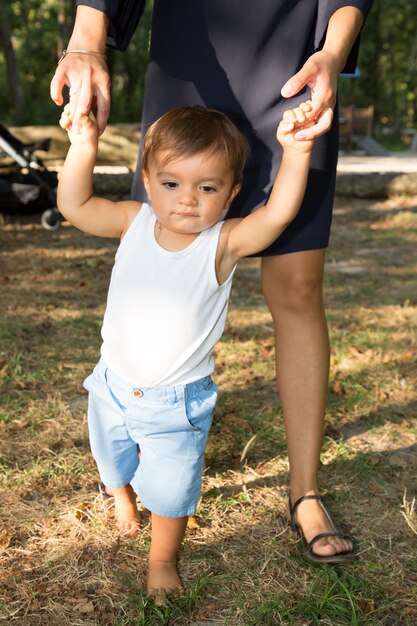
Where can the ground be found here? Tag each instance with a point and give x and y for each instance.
(61, 562)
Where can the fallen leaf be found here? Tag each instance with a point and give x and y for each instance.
(192, 523)
(80, 512)
(5, 538)
(338, 389)
(409, 610)
(362, 355)
(4, 371)
(376, 489)
(367, 606)
(84, 607)
(4, 368)
(397, 460)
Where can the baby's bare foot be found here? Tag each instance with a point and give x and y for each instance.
(126, 512)
(163, 581)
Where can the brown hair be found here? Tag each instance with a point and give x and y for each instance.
(189, 130)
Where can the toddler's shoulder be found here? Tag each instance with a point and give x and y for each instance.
(131, 208)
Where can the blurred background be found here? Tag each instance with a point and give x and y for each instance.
(33, 34)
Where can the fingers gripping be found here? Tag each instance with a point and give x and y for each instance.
(89, 84)
(300, 115)
(317, 127)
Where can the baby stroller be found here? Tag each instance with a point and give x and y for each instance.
(26, 185)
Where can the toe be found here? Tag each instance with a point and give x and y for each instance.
(130, 529)
(323, 547)
(160, 598)
(341, 545)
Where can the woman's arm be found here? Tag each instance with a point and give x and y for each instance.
(86, 72)
(97, 22)
(321, 71)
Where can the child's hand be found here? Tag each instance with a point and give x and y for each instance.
(87, 130)
(293, 121)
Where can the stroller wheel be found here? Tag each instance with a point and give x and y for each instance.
(51, 219)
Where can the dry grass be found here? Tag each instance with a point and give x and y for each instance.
(62, 564)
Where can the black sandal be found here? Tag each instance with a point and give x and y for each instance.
(340, 557)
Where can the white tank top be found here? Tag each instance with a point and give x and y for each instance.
(165, 310)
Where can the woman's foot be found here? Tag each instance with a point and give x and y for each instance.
(163, 581)
(126, 512)
(311, 517)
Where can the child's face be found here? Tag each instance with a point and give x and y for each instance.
(189, 194)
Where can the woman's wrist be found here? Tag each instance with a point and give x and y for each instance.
(335, 59)
(343, 29)
(90, 30)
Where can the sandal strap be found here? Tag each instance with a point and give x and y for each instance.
(308, 547)
(293, 507)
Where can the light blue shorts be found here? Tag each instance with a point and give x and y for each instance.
(151, 437)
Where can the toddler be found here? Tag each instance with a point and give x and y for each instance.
(151, 397)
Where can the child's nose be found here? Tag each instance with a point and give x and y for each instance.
(188, 198)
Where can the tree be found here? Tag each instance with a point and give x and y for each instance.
(15, 87)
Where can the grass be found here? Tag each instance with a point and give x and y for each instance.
(333, 597)
(61, 562)
(146, 612)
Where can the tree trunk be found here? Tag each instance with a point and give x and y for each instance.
(15, 86)
(408, 79)
(62, 28)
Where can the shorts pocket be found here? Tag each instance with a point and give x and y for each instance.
(199, 404)
(97, 377)
(115, 396)
(98, 384)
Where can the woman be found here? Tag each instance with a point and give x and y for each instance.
(246, 57)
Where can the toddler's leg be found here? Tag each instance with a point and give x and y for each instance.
(126, 511)
(167, 535)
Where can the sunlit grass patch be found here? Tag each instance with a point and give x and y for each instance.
(333, 598)
(61, 560)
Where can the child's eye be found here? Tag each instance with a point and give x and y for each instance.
(207, 189)
(170, 184)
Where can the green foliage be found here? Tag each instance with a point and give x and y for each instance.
(334, 598)
(388, 68)
(34, 28)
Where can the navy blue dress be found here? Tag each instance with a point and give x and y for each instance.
(235, 55)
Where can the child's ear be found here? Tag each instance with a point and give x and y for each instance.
(145, 178)
(235, 190)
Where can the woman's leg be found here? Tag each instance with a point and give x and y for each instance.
(167, 535)
(292, 286)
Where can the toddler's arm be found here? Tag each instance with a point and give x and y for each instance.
(257, 231)
(76, 202)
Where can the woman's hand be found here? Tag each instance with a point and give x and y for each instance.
(320, 73)
(87, 77)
